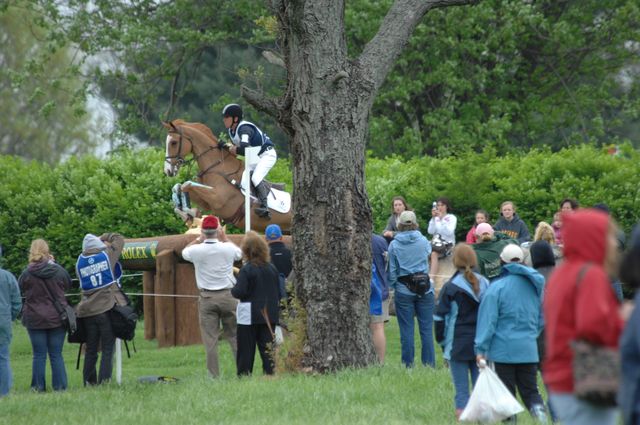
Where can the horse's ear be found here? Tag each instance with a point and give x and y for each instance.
(169, 126)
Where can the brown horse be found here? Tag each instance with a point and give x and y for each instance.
(218, 188)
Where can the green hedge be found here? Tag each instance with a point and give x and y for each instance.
(536, 181)
(128, 192)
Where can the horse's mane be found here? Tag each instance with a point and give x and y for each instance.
(196, 126)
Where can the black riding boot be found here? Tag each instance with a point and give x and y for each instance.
(262, 191)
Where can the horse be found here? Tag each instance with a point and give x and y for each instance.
(218, 188)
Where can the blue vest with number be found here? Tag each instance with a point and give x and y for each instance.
(94, 271)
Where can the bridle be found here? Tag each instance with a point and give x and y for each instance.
(180, 160)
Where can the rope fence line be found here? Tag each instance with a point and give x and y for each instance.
(144, 294)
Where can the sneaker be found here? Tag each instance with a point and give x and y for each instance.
(539, 413)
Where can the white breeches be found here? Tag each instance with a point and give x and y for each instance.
(265, 163)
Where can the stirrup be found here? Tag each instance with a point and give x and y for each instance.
(262, 212)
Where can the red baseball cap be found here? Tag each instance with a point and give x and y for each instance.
(210, 222)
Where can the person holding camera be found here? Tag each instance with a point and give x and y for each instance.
(41, 282)
(409, 276)
(443, 228)
(96, 270)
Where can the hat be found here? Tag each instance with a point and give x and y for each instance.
(272, 232)
(408, 217)
(210, 222)
(541, 254)
(512, 253)
(483, 228)
(92, 242)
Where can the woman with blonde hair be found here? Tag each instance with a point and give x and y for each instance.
(456, 318)
(258, 309)
(40, 316)
(544, 232)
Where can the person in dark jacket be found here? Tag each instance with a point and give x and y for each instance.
(510, 224)
(40, 316)
(258, 309)
(96, 270)
(629, 394)
(398, 205)
(455, 321)
(280, 257)
(543, 260)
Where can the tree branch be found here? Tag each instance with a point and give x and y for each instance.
(260, 102)
(380, 54)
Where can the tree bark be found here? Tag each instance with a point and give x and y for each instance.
(325, 112)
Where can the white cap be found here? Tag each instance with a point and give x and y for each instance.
(512, 253)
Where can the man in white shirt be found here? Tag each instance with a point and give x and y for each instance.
(213, 255)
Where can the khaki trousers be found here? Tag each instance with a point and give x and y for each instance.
(215, 308)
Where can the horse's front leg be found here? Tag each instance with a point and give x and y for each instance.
(200, 195)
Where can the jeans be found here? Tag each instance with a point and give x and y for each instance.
(409, 306)
(50, 341)
(460, 372)
(99, 333)
(6, 378)
(573, 411)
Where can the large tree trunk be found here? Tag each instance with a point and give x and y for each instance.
(325, 112)
(332, 218)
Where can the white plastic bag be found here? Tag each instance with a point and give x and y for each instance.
(279, 337)
(490, 400)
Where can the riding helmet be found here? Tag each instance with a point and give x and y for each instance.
(232, 110)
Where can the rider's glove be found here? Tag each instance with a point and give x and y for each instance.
(222, 145)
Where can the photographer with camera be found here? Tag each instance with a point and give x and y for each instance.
(443, 227)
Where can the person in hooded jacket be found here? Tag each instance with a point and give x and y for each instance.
(40, 316)
(580, 304)
(408, 255)
(629, 394)
(509, 321)
(455, 321)
(95, 268)
(511, 224)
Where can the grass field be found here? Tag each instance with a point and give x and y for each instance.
(389, 394)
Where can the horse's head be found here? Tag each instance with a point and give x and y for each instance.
(178, 145)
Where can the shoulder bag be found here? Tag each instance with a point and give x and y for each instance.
(66, 312)
(596, 368)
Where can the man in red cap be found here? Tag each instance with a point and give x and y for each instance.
(213, 255)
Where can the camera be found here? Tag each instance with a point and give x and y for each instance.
(435, 205)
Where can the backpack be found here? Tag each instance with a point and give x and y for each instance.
(123, 321)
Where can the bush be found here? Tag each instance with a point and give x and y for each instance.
(535, 181)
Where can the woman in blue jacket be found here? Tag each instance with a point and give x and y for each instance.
(509, 322)
(408, 260)
(455, 321)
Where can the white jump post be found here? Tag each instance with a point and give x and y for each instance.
(118, 361)
(250, 158)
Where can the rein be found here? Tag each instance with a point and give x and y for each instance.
(180, 160)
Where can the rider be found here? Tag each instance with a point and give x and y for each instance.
(245, 134)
